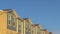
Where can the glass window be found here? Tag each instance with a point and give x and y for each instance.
(9, 19)
(28, 32)
(19, 26)
(30, 26)
(13, 20)
(27, 24)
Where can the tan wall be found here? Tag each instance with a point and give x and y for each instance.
(11, 32)
(3, 22)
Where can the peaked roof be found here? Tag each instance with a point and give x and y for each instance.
(27, 19)
(10, 10)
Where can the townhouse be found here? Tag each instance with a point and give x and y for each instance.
(11, 23)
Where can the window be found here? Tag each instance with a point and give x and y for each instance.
(28, 32)
(38, 31)
(19, 31)
(32, 32)
(19, 26)
(27, 25)
(13, 20)
(9, 19)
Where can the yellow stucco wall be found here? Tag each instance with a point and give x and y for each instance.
(3, 22)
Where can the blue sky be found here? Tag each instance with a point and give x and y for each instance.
(43, 12)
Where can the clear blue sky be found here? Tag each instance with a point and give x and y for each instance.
(44, 12)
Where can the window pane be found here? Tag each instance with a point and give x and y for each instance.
(13, 20)
(19, 26)
(9, 19)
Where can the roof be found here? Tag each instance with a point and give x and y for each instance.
(25, 18)
(7, 9)
(36, 24)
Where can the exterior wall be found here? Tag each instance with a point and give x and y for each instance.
(21, 26)
(11, 32)
(50, 33)
(27, 26)
(7, 27)
(37, 29)
(4, 28)
(33, 29)
(11, 28)
(3, 22)
(44, 32)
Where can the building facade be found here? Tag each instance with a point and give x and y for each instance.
(50, 33)
(27, 25)
(37, 29)
(12, 24)
(33, 29)
(19, 26)
(44, 31)
(8, 19)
